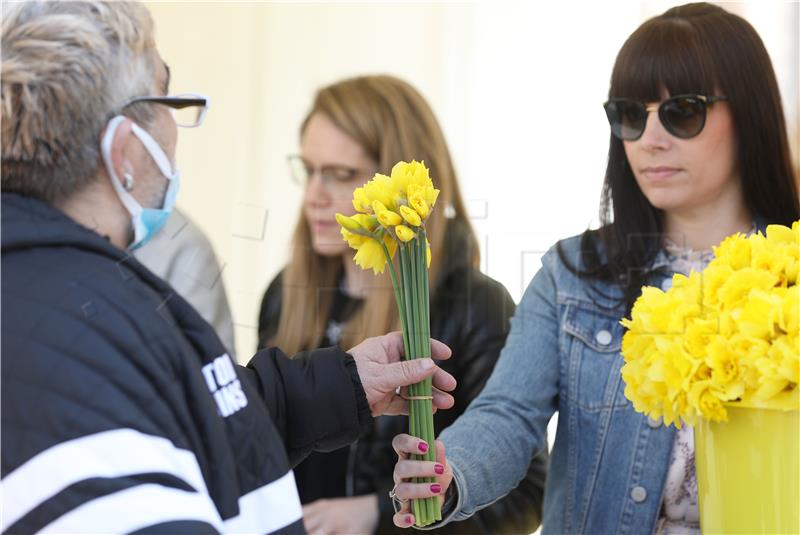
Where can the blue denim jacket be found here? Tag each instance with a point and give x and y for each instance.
(608, 465)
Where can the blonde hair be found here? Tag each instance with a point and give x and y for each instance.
(392, 122)
(67, 67)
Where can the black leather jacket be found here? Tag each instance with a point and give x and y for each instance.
(470, 312)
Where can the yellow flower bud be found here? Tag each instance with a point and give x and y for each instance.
(369, 222)
(411, 217)
(404, 233)
(388, 218)
(418, 203)
(348, 223)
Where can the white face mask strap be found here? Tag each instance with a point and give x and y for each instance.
(133, 207)
(155, 151)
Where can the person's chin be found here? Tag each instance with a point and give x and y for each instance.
(663, 199)
(329, 247)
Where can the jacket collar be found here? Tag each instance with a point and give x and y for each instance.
(29, 223)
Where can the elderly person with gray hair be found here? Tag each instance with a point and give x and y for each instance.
(121, 410)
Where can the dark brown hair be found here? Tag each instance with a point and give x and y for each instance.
(694, 48)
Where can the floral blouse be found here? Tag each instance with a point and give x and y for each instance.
(680, 513)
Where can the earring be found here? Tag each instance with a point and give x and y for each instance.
(128, 185)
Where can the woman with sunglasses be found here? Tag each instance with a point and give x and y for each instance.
(355, 128)
(698, 151)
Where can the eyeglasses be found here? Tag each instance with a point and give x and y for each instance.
(683, 116)
(302, 172)
(188, 109)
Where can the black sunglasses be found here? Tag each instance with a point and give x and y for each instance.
(683, 116)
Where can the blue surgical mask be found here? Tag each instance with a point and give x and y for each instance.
(146, 221)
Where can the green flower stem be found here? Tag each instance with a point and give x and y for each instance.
(417, 279)
(415, 415)
(424, 293)
(398, 297)
(412, 294)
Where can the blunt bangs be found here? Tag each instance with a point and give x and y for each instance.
(663, 54)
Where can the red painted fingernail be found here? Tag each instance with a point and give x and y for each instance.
(423, 447)
(436, 488)
(438, 468)
(409, 519)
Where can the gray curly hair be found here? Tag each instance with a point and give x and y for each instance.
(67, 67)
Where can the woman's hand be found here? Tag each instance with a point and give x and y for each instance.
(405, 469)
(342, 516)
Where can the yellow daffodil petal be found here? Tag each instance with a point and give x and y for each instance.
(361, 201)
(353, 240)
(391, 244)
(380, 189)
(370, 256)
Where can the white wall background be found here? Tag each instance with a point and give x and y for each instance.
(517, 86)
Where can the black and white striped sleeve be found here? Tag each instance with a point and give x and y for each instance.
(90, 448)
(116, 481)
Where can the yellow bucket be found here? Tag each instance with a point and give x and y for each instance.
(748, 471)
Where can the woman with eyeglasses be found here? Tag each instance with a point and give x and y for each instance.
(698, 151)
(355, 128)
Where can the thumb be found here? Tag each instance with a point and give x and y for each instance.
(408, 372)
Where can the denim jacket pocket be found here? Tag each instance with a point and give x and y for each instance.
(594, 338)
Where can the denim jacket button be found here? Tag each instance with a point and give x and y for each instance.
(654, 423)
(603, 337)
(638, 494)
(666, 284)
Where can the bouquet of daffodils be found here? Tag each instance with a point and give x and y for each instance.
(728, 334)
(391, 215)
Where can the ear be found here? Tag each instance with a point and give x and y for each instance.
(120, 158)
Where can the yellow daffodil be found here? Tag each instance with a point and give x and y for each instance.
(360, 200)
(404, 233)
(384, 205)
(353, 240)
(370, 256)
(701, 397)
(380, 189)
(418, 203)
(388, 218)
(411, 217)
(734, 251)
(727, 335)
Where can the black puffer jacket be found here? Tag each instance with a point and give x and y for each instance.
(121, 409)
(470, 312)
